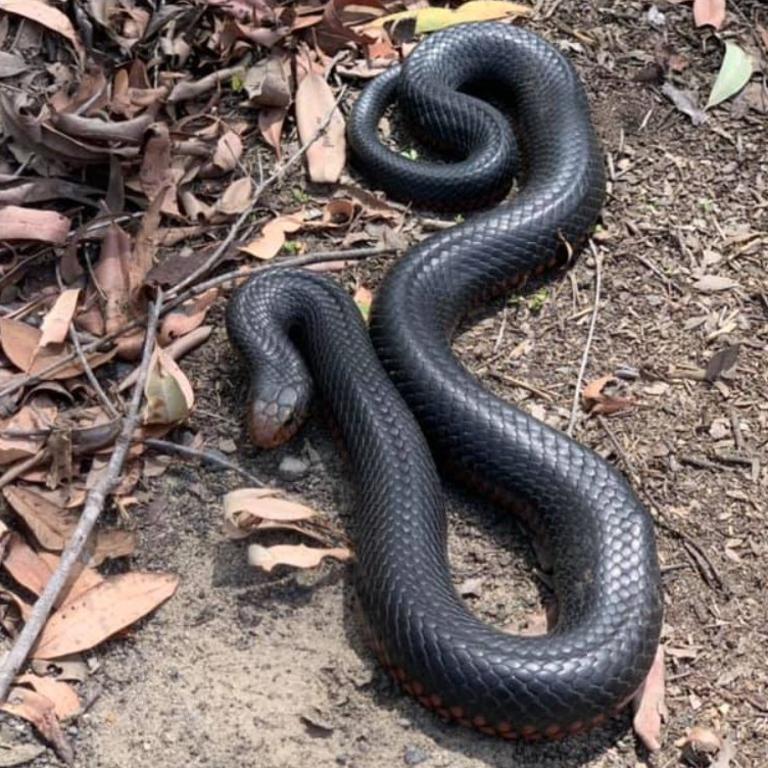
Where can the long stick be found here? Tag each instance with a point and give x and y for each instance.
(94, 504)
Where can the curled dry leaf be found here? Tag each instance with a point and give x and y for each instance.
(335, 31)
(21, 344)
(229, 150)
(700, 740)
(271, 123)
(597, 402)
(18, 223)
(65, 700)
(709, 13)
(649, 707)
(41, 712)
(236, 197)
(177, 324)
(314, 102)
(296, 556)
(247, 508)
(169, 394)
(50, 17)
(56, 322)
(267, 83)
(272, 237)
(99, 613)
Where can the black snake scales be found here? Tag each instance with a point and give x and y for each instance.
(598, 534)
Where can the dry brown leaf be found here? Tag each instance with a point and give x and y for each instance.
(41, 712)
(52, 18)
(701, 742)
(157, 174)
(335, 31)
(236, 197)
(177, 324)
(715, 283)
(267, 82)
(596, 402)
(709, 13)
(52, 524)
(31, 418)
(21, 343)
(271, 123)
(168, 391)
(229, 150)
(87, 576)
(272, 237)
(649, 707)
(113, 605)
(63, 696)
(18, 223)
(246, 508)
(56, 322)
(296, 556)
(314, 102)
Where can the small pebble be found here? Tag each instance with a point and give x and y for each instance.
(414, 756)
(293, 468)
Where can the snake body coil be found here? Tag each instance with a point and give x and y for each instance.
(599, 536)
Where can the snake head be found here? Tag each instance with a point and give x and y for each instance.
(275, 413)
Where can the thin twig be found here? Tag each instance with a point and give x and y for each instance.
(94, 504)
(207, 457)
(590, 336)
(214, 258)
(94, 346)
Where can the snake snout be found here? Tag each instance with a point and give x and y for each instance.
(274, 417)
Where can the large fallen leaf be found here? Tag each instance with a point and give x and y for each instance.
(31, 224)
(168, 391)
(314, 103)
(296, 556)
(48, 16)
(335, 30)
(229, 150)
(41, 712)
(597, 402)
(113, 605)
(21, 343)
(267, 82)
(734, 74)
(272, 237)
(709, 13)
(431, 19)
(56, 322)
(63, 696)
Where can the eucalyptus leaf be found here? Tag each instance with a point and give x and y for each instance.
(734, 74)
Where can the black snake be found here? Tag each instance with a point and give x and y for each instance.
(287, 322)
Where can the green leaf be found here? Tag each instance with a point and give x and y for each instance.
(734, 74)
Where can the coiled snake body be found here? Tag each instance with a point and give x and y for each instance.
(599, 536)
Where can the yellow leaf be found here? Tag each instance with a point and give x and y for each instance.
(432, 19)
